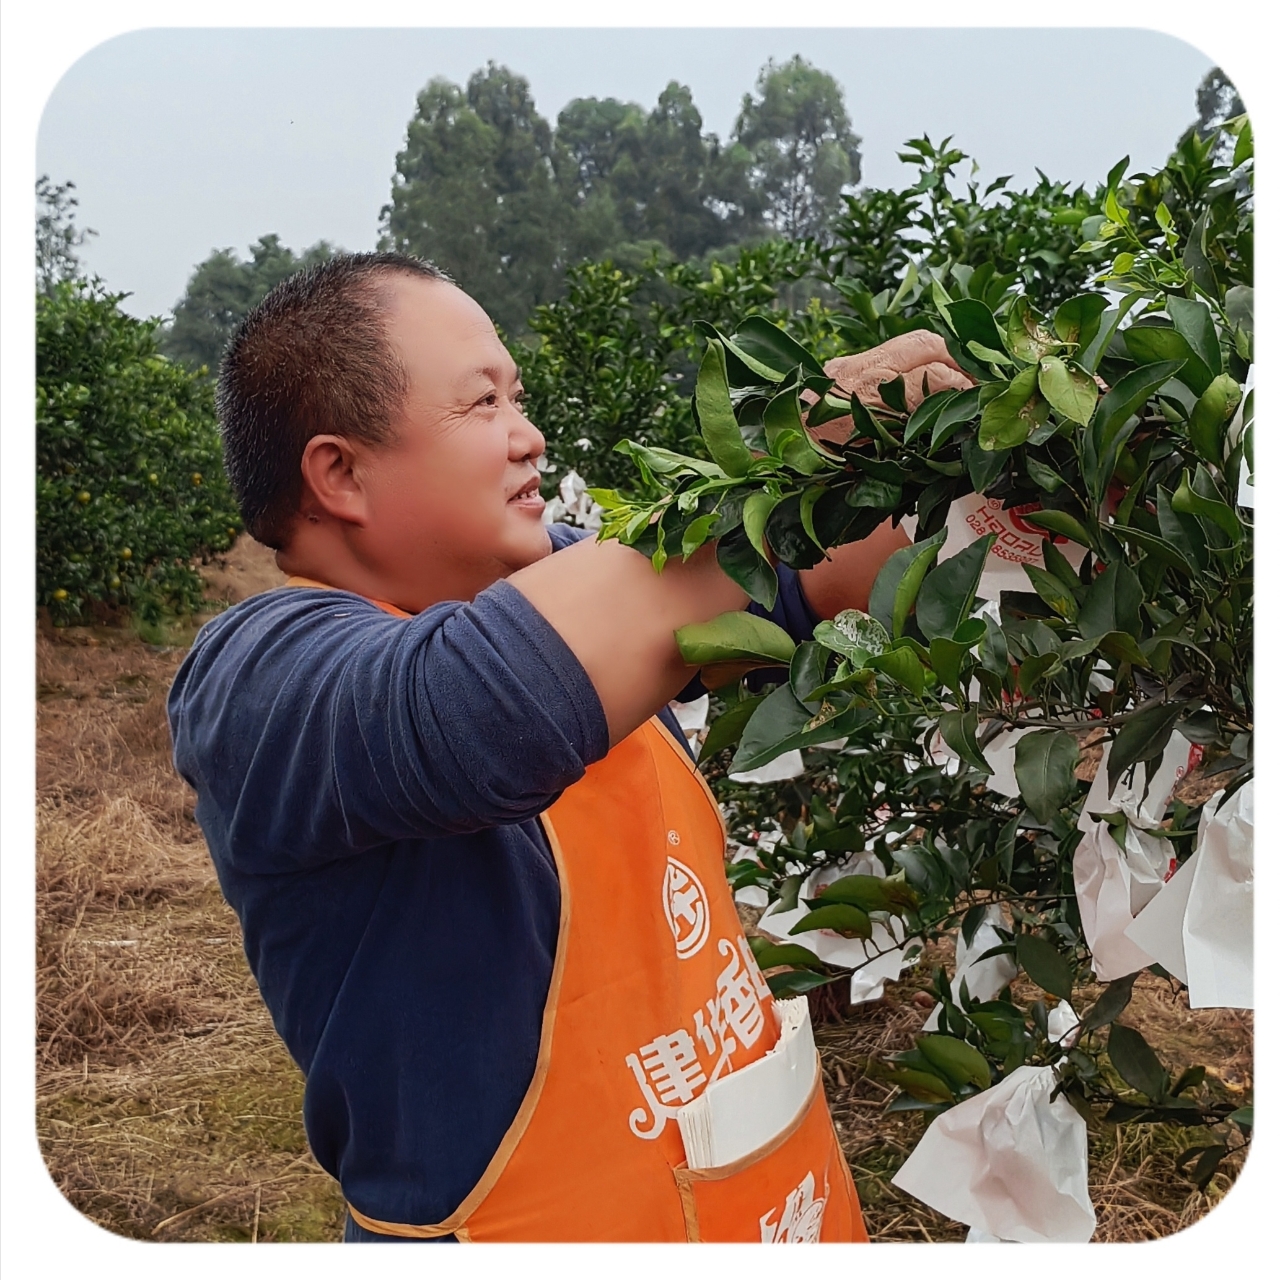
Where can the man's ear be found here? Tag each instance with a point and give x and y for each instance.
(331, 484)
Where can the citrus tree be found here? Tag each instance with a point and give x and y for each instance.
(1115, 421)
(129, 480)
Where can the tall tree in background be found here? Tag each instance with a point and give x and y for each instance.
(1217, 101)
(652, 180)
(476, 192)
(795, 136)
(57, 236)
(223, 290)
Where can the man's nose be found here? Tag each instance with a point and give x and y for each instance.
(525, 440)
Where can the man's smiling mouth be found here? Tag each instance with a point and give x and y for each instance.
(528, 493)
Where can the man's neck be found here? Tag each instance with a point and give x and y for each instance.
(321, 554)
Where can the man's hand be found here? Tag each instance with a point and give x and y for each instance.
(843, 580)
(912, 356)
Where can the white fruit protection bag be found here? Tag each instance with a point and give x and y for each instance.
(1200, 928)
(1017, 542)
(985, 979)
(1115, 883)
(1008, 1162)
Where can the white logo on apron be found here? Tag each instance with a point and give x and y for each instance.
(801, 1221)
(684, 902)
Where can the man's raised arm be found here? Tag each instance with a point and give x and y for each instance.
(619, 617)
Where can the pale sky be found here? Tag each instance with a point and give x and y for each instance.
(183, 141)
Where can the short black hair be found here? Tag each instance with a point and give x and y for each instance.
(312, 358)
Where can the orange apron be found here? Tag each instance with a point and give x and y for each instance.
(654, 994)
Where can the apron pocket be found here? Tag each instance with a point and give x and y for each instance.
(796, 1189)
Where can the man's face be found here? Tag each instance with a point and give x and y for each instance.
(454, 499)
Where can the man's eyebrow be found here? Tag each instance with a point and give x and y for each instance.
(491, 372)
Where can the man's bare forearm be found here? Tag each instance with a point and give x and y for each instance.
(619, 617)
(845, 579)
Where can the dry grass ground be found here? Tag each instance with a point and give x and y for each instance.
(167, 1108)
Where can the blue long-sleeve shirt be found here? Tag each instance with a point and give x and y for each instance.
(369, 789)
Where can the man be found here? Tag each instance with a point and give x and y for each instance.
(481, 887)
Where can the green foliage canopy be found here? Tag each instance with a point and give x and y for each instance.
(1153, 631)
(129, 480)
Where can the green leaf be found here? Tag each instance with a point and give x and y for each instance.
(755, 512)
(1104, 437)
(926, 414)
(972, 321)
(1239, 307)
(1057, 595)
(1243, 1116)
(1068, 389)
(1006, 847)
(715, 414)
(770, 345)
(894, 393)
(794, 982)
(1181, 532)
(901, 665)
(1193, 319)
(809, 500)
(1044, 763)
(808, 669)
(735, 635)
(697, 532)
(880, 494)
(1136, 1063)
(871, 893)
(959, 731)
(946, 594)
(783, 723)
(1208, 422)
(1143, 736)
(959, 1062)
(947, 659)
(924, 1086)
(770, 957)
(1110, 1004)
(855, 634)
(1035, 669)
(1063, 523)
(663, 462)
(1112, 602)
(983, 465)
(899, 580)
(1010, 418)
(953, 414)
(727, 727)
(1044, 964)
(1028, 338)
(1077, 319)
(1149, 344)
(841, 917)
(1186, 501)
(780, 716)
(1157, 547)
(747, 567)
